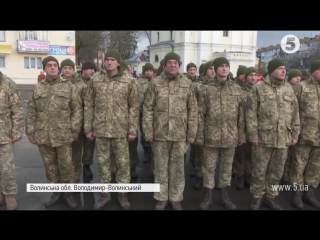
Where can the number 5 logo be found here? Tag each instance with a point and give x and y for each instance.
(290, 44)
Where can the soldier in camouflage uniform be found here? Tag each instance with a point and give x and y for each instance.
(201, 72)
(294, 78)
(133, 145)
(192, 75)
(143, 86)
(221, 129)
(111, 115)
(240, 79)
(305, 165)
(54, 120)
(160, 68)
(209, 73)
(83, 148)
(11, 131)
(170, 123)
(272, 120)
(243, 164)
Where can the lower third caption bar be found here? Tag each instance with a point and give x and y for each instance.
(82, 187)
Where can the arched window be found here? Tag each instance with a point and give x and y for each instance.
(156, 58)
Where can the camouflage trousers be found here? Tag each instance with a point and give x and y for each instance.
(287, 164)
(305, 166)
(133, 153)
(210, 159)
(267, 170)
(58, 163)
(82, 153)
(169, 169)
(196, 158)
(8, 184)
(242, 162)
(120, 149)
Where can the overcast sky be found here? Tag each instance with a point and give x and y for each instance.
(265, 38)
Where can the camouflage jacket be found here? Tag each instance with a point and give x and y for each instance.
(192, 80)
(308, 95)
(237, 81)
(170, 109)
(55, 114)
(245, 93)
(112, 106)
(143, 85)
(11, 111)
(272, 114)
(221, 117)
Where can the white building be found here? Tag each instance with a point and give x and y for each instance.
(198, 47)
(21, 52)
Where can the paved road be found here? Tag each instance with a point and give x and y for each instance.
(30, 169)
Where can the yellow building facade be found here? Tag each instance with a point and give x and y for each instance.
(21, 52)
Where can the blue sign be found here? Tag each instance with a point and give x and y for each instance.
(62, 50)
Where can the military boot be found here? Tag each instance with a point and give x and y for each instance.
(70, 200)
(207, 202)
(240, 183)
(272, 204)
(176, 206)
(133, 173)
(87, 171)
(225, 201)
(54, 199)
(296, 200)
(11, 202)
(256, 203)
(247, 181)
(2, 199)
(104, 200)
(161, 205)
(309, 198)
(123, 199)
(198, 183)
(147, 153)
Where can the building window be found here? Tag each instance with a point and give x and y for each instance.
(156, 58)
(32, 63)
(2, 36)
(2, 62)
(226, 33)
(158, 36)
(33, 35)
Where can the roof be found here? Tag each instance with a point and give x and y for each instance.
(162, 43)
(137, 57)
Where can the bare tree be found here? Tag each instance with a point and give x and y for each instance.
(126, 42)
(87, 45)
(146, 34)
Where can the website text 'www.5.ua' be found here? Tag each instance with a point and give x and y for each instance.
(293, 187)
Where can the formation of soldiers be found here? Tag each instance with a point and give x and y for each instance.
(265, 133)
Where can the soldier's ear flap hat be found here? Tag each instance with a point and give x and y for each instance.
(67, 62)
(190, 65)
(208, 65)
(293, 73)
(250, 70)
(48, 59)
(201, 68)
(315, 66)
(241, 70)
(147, 66)
(89, 65)
(113, 54)
(219, 61)
(274, 64)
(172, 56)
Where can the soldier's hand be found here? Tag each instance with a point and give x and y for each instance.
(75, 139)
(15, 140)
(31, 139)
(131, 137)
(240, 144)
(294, 142)
(90, 135)
(255, 142)
(150, 140)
